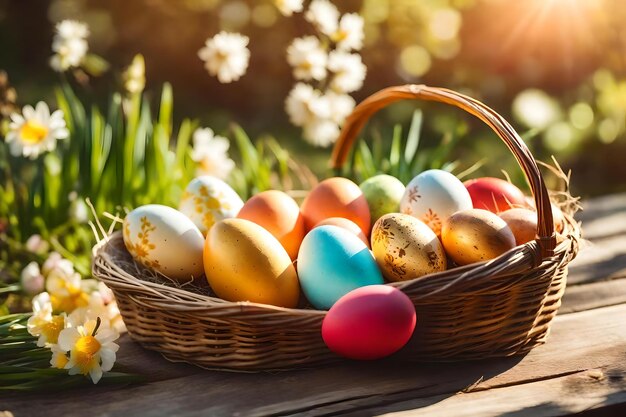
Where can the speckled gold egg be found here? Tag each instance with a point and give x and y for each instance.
(406, 248)
(476, 235)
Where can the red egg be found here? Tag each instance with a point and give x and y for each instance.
(494, 194)
(370, 322)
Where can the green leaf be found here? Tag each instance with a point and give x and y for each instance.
(413, 138)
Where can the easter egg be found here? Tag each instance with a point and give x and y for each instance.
(280, 215)
(557, 214)
(332, 262)
(345, 224)
(405, 248)
(369, 323)
(523, 224)
(494, 194)
(383, 194)
(336, 197)
(476, 235)
(433, 196)
(165, 240)
(207, 200)
(244, 262)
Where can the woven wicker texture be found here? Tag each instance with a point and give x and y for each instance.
(497, 308)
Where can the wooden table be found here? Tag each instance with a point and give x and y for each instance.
(581, 369)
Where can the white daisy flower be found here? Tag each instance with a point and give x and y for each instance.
(35, 131)
(66, 288)
(289, 7)
(341, 105)
(321, 132)
(91, 349)
(94, 309)
(323, 15)
(59, 357)
(349, 34)
(69, 45)
(348, 71)
(42, 323)
(31, 279)
(211, 154)
(308, 58)
(62, 284)
(226, 56)
(304, 104)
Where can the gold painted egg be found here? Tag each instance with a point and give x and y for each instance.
(207, 200)
(476, 235)
(244, 262)
(406, 248)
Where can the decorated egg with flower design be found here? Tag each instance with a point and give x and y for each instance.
(164, 240)
(433, 196)
(405, 248)
(207, 200)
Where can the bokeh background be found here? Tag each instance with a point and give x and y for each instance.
(555, 68)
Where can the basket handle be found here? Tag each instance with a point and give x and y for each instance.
(354, 123)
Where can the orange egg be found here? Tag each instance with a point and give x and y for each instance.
(344, 223)
(336, 197)
(280, 215)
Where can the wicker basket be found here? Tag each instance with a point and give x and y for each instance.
(497, 308)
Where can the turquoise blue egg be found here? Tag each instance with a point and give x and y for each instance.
(332, 262)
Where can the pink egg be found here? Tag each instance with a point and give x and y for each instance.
(370, 322)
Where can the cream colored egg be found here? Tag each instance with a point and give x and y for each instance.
(207, 200)
(164, 240)
(406, 248)
(433, 196)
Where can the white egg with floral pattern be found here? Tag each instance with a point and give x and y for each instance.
(164, 240)
(207, 200)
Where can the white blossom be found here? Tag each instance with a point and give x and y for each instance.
(308, 58)
(323, 15)
(304, 104)
(69, 45)
(289, 7)
(321, 132)
(210, 152)
(348, 71)
(35, 131)
(349, 34)
(91, 349)
(341, 105)
(226, 56)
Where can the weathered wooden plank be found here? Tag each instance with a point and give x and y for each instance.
(603, 217)
(576, 393)
(599, 260)
(604, 253)
(593, 295)
(579, 342)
